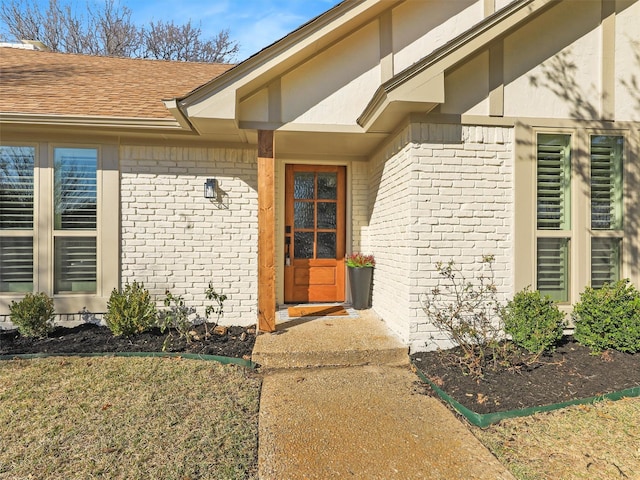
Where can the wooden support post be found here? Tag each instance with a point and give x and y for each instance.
(266, 233)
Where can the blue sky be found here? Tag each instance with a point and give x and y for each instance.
(254, 24)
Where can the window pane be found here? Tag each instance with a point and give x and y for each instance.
(303, 215)
(75, 264)
(326, 245)
(553, 268)
(75, 189)
(16, 187)
(328, 186)
(605, 261)
(327, 215)
(16, 264)
(606, 182)
(303, 245)
(303, 186)
(554, 182)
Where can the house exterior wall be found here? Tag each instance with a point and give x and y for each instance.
(173, 238)
(359, 193)
(627, 62)
(565, 76)
(421, 27)
(388, 235)
(456, 202)
(539, 82)
(334, 86)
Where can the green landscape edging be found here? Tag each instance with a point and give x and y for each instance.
(484, 420)
(189, 356)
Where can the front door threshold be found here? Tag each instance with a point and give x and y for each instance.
(312, 311)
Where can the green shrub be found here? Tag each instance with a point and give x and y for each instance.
(175, 317)
(33, 315)
(534, 322)
(609, 318)
(216, 309)
(131, 311)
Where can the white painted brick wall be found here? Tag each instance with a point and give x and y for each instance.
(173, 238)
(388, 233)
(359, 203)
(447, 194)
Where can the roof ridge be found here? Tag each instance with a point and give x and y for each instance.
(18, 47)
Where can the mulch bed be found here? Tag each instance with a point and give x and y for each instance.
(571, 372)
(90, 338)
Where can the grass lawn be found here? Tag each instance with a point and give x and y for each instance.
(582, 442)
(143, 418)
(127, 418)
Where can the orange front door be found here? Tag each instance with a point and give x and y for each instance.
(314, 234)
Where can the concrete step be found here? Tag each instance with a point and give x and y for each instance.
(330, 341)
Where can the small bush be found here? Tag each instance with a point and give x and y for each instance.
(534, 322)
(609, 318)
(176, 317)
(33, 315)
(180, 318)
(468, 313)
(131, 311)
(216, 309)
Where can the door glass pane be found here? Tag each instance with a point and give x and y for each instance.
(553, 172)
(328, 186)
(605, 261)
(303, 215)
(303, 245)
(326, 245)
(327, 215)
(75, 188)
(606, 182)
(553, 268)
(16, 264)
(303, 185)
(16, 187)
(75, 264)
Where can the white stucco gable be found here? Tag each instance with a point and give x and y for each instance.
(349, 78)
(322, 77)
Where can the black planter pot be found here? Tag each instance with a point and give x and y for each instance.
(360, 284)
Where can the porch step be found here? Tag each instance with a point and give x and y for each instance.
(332, 341)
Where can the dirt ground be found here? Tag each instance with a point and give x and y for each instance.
(569, 373)
(90, 338)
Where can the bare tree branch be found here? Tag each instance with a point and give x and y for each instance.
(168, 41)
(107, 29)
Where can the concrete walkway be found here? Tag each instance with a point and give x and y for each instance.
(340, 401)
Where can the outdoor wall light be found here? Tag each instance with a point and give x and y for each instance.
(210, 188)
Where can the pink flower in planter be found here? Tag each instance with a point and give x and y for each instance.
(359, 260)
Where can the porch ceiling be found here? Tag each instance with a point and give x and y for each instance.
(314, 145)
(299, 141)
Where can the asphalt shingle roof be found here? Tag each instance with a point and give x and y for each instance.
(36, 82)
